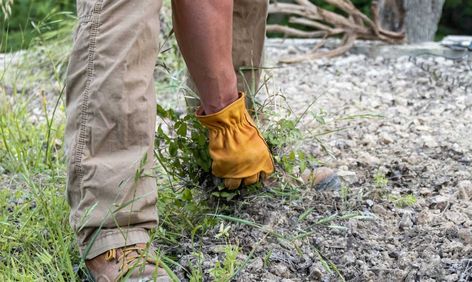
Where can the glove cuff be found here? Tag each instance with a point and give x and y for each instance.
(231, 115)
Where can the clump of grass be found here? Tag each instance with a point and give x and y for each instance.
(36, 242)
(29, 143)
(224, 271)
(403, 201)
(196, 271)
(380, 181)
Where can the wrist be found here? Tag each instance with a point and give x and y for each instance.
(220, 104)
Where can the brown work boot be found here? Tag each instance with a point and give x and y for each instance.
(322, 179)
(130, 263)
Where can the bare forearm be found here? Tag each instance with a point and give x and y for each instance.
(203, 30)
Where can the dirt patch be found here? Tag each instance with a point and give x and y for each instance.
(400, 124)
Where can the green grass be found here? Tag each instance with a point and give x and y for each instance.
(36, 242)
(224, 271)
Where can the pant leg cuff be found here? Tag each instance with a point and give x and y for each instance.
(114, 238)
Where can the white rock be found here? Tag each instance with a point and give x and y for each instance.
(429, 141)
(466, 235)
(385, 138)
(423, 217)
(369, 140)
(406, 222)
(280, 270)
(256, 264)
(349, 176)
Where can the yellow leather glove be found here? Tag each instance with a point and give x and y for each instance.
(237, 148)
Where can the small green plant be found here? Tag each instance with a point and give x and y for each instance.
(182, 148)
(345, 192)
(282, 136)
(329, 266)
(295, 162)
(223, 272)
(25, 145)
(196, 271)
(380, 185)
(380, 181)
(266, 258)
(404, 201)
(282, 132)
(223, 231)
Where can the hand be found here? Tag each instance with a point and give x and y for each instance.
(238, 150)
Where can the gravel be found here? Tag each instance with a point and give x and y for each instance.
(399, 120)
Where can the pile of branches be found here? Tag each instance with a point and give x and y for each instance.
(350, 25)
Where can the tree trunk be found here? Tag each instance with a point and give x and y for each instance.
(392, 14)
(419, 18)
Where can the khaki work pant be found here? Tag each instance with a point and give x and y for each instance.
(111, 111)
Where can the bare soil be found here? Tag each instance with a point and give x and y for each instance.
(407, 124)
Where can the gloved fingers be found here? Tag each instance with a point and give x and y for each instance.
(251, 179)
(232, 183)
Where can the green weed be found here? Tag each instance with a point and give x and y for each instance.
(182, 148)
(196, 271)
(224, 271)
(380, 186)
(380, 181)
(28, 143)
(404, 201)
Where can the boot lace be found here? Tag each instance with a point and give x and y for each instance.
(131, 257)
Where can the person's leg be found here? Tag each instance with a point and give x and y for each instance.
(249, 26)
(249, 31)
(111, 124)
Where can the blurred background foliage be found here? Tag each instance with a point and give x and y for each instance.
(456, 18)
(28, 19)
(22, 22)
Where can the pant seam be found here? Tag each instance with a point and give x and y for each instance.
(83, 134)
